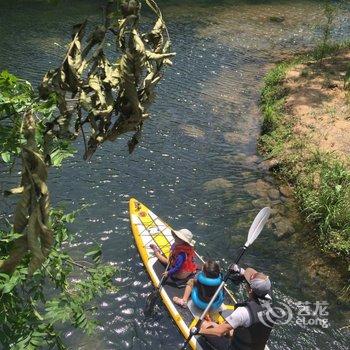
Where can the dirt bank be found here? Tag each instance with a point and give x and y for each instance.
(318, 103)
(306, 139)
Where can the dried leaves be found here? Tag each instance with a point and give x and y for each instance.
(111, 95)
(32, 210)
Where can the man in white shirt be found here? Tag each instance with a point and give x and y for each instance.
(246, 325)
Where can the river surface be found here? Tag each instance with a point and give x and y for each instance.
(204, 126)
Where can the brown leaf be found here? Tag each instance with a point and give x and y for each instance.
(16, 254)
(20, 218)
(17, 190)
(33, 234)
(158, 56)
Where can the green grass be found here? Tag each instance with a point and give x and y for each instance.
(322, 184)
(272, 97)
(275, 129)
(324, 195)
(327, 49)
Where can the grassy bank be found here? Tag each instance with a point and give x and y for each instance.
(320, 177)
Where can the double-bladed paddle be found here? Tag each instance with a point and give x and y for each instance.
(153, 296)
(254, 231)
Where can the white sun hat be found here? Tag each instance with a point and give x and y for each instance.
(185, 235)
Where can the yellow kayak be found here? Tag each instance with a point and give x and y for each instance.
(148, 228)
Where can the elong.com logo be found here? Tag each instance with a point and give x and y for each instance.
(307, 314)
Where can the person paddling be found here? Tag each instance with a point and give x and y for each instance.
(247, 325)
(182, 255)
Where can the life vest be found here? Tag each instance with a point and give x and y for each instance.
(189, 264)
(204, 290)
(257, 334)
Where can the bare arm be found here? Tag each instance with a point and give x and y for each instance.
(211, 328)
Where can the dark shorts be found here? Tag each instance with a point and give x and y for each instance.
(175, 282)
(219, 343)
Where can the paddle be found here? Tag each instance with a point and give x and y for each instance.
(153, 296)
(254, 231)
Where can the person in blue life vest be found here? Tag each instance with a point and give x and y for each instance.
(247, 327)
(203, 287)
(182, 255)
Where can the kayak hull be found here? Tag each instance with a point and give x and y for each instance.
(148, 228)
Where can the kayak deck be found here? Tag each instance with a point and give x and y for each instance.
(148, 228)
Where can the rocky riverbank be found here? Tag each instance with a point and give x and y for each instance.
(306, 142)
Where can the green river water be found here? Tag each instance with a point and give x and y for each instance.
(196, 157)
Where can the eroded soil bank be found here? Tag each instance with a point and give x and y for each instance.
(306, 140)
(319, 102)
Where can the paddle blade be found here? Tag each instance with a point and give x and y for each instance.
(151, 302)
(257, 225)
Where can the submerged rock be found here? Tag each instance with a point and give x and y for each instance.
(277, 19)
(286, 191)
(283, 227)
(235, 138)
(283, 199)
(261, 203)
(259, 188)
(217, 184)
(192, 131)
(240, 206)
(252, 159)
(273, 194)
(268, 164)
(278, 209)
(246, 174)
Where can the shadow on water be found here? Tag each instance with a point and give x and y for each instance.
(196, 159)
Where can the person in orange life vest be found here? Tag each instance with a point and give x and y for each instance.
(211, 269)
(182, 257)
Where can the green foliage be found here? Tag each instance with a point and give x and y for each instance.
(95, 254)
(325, 45)
(31, 308)
(16, 98)
(324, 50)
(62, 150)
(325, 198)
(273, 143)
(273, 96)
(329, 11)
